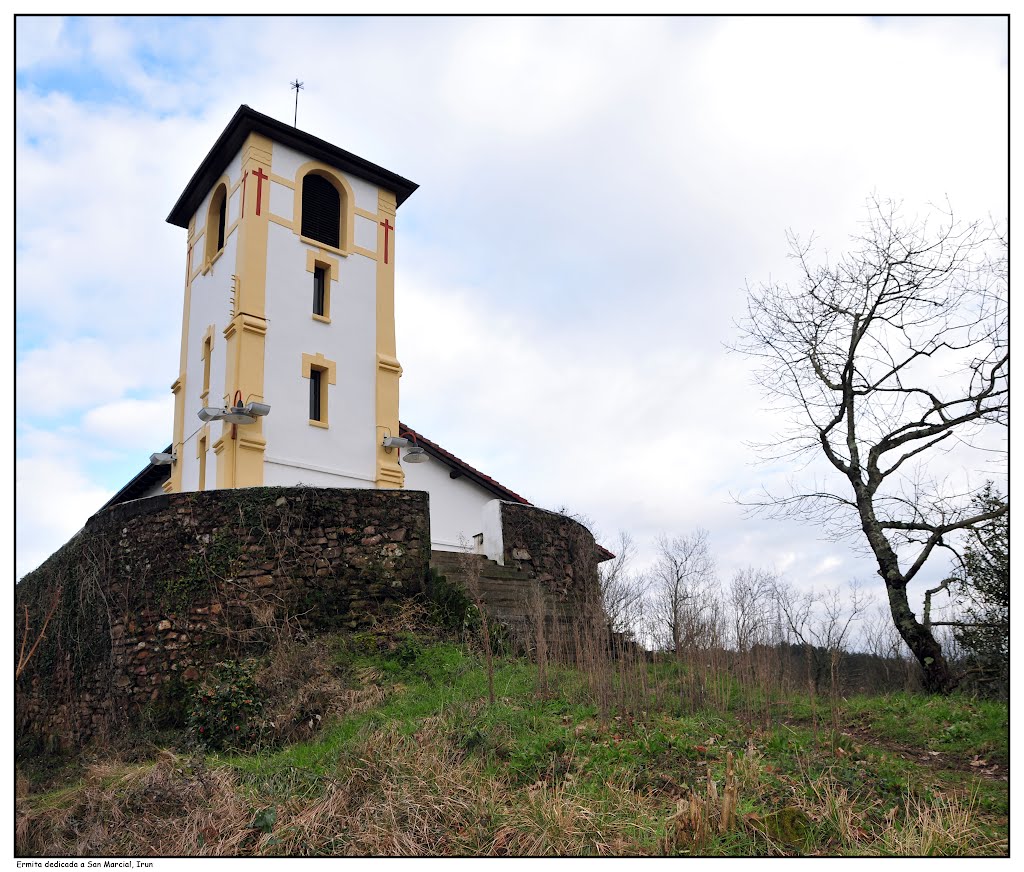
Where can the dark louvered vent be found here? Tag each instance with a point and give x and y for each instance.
(321, 210)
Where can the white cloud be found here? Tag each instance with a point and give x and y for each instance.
(128, 424)
(54, 499)
(594, 194)
(83, 373)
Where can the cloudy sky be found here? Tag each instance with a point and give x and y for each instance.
(594, 196)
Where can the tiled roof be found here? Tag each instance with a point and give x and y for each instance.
(446, 457)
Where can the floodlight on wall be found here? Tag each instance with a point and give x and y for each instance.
(236, 414)
(162, 458)
(413, 452)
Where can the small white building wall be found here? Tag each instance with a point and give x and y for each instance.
(456, 505)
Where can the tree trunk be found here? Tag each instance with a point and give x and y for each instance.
(937, 676)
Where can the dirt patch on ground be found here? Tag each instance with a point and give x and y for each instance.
(989, 766)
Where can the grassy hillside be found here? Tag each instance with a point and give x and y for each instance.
(387, 744)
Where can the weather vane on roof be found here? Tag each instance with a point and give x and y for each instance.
(296, 86)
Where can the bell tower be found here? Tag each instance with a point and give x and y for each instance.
(289, 303)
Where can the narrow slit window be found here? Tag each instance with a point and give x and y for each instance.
(222, 215)
(202, 463)
(319, 283)
(207, 354)
(315, 377)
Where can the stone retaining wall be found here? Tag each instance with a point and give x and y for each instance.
(152, 589)
(559, 552)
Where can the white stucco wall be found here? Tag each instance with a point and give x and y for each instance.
(366, 195)
(210, 303)
(366, 233)
(347, 446)
(456, 505)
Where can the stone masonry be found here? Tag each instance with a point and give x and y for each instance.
(152, 590)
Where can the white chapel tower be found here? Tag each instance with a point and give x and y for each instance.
(289, 302)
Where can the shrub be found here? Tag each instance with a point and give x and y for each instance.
(225, 708)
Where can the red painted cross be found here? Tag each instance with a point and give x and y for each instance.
(245, 175)
(387, 225)
(260, 176)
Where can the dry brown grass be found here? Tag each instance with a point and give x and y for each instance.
(948, 825)
(161, 808)
(303, 689)
(391, 795)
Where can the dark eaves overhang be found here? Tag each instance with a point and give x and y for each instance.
(142, 482)
(246, 121)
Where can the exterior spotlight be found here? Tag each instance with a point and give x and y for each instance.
(162, 459)
(415, 455)
(413, 452)
(236, 414)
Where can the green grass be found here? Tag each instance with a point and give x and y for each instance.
(532, 774)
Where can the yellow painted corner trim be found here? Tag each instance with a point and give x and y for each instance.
(318, 361)
(247, 324)
(178, 383)
(366, 213)
(252, 441)
(284, 222)
(323, 319)
(168, 486)
(321, 424)
(365, 252)
(281, 180)
(386, 202)
(389, 363)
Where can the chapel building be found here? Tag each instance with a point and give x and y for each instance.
(289, 303)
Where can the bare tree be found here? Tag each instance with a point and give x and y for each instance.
(682, 577)
(886, 357)
(623, 591)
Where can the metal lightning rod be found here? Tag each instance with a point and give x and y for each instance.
(296, 86)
